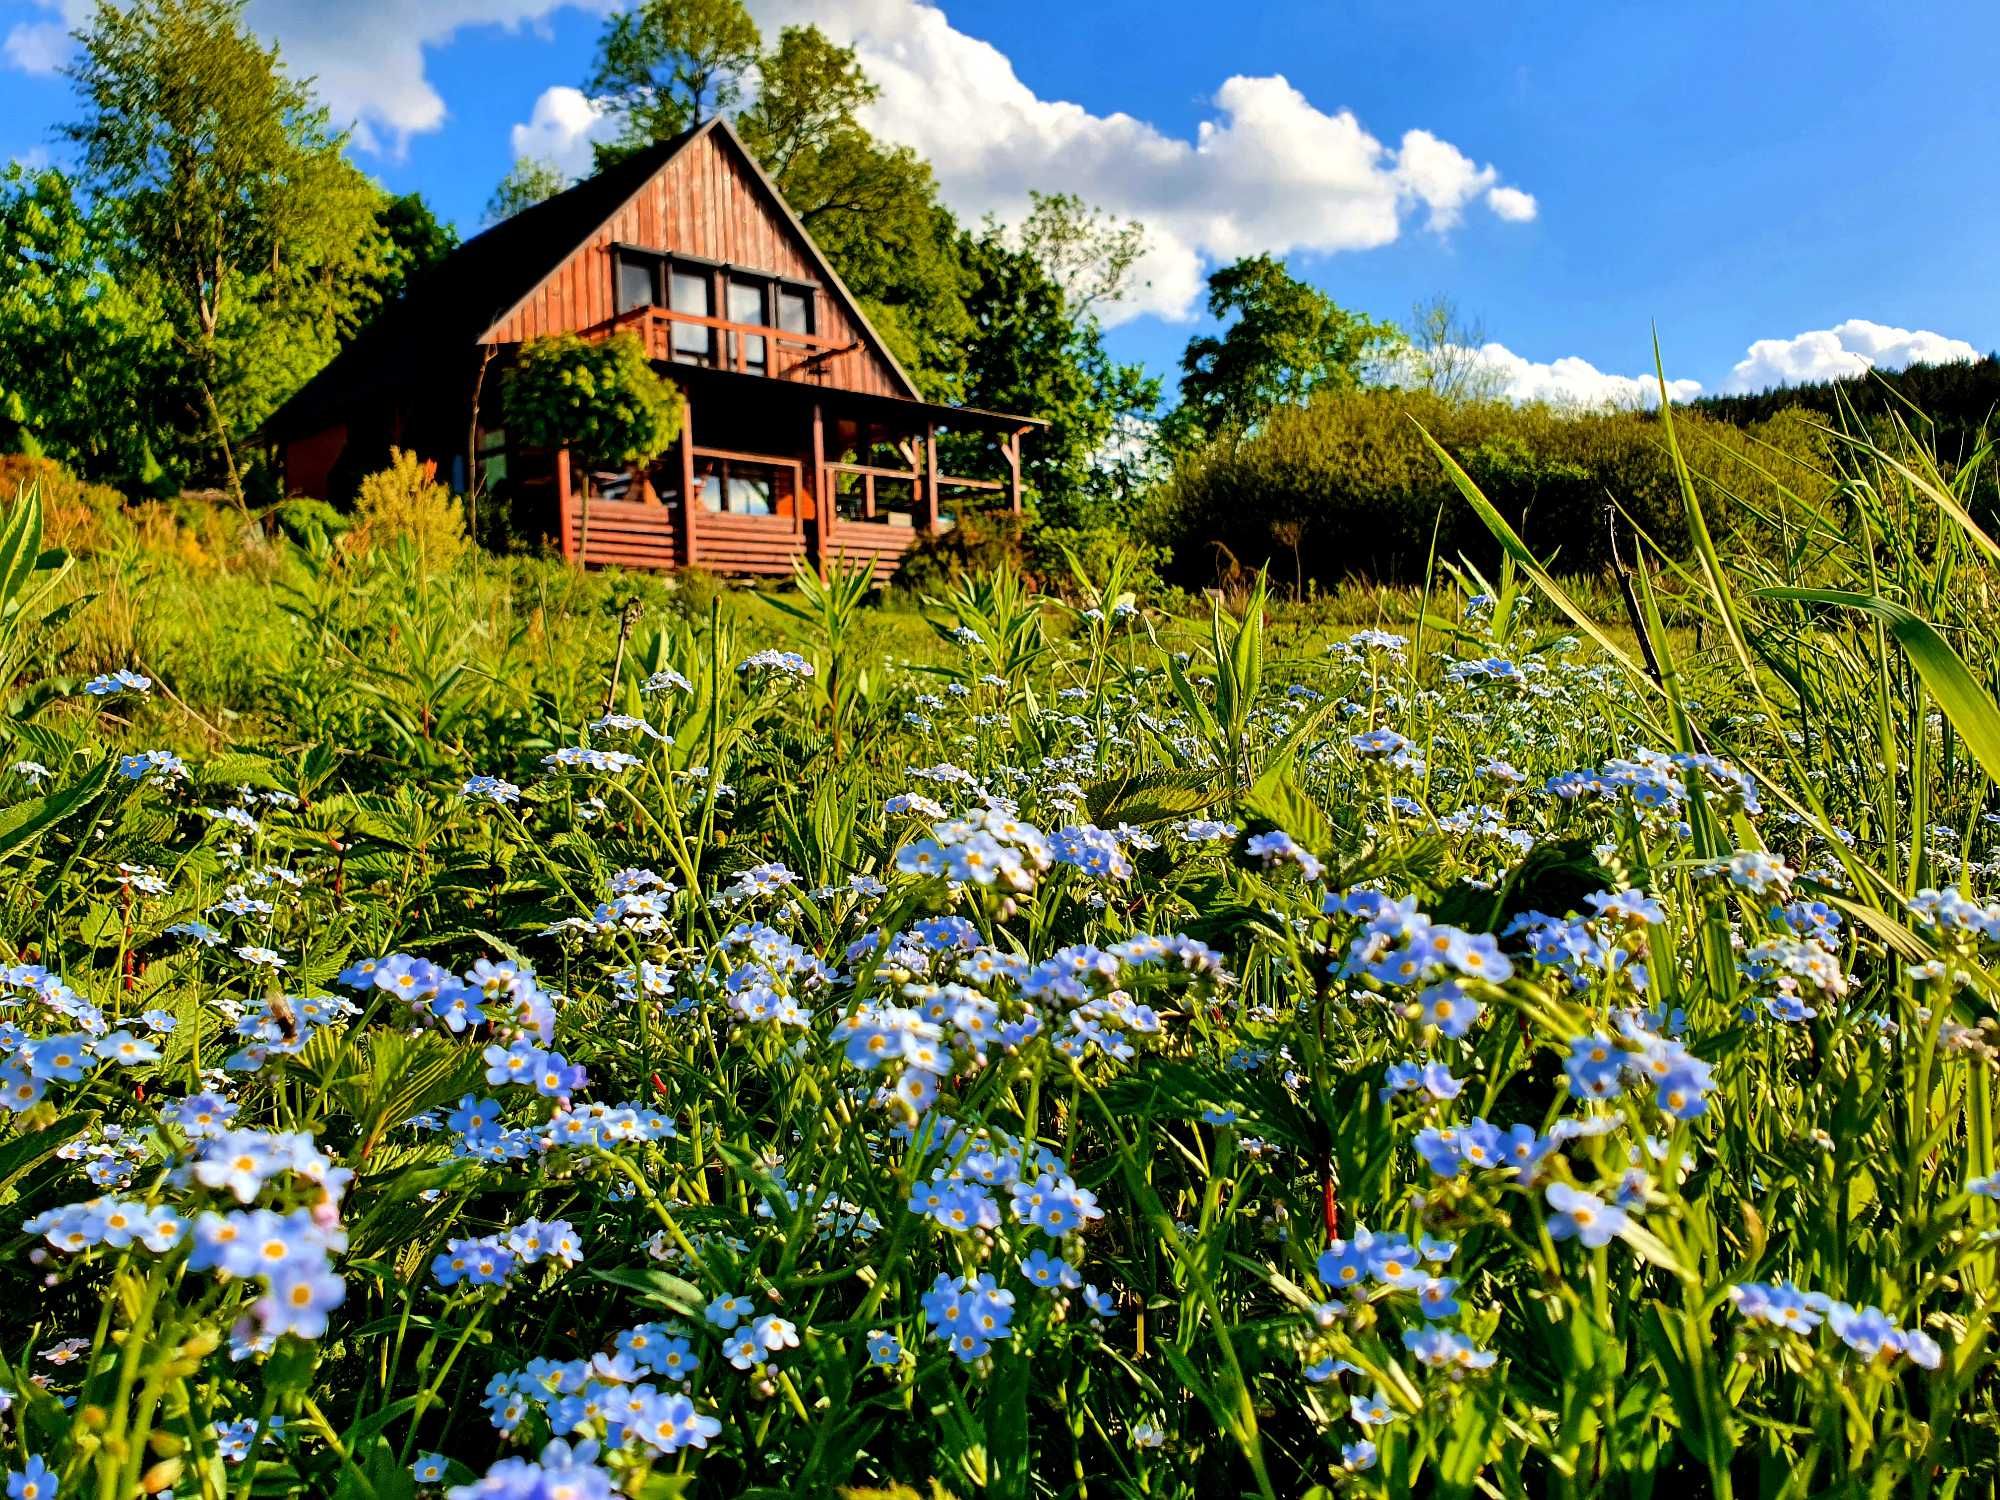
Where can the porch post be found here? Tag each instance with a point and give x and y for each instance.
(690, 501)
(1014, 470)
(563, 504)
(930, 477)
(822, 501)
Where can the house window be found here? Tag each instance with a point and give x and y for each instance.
(492, 456)
(638, 282)
(746, 305)
(795, 309)
(692, 291)
(742, 488)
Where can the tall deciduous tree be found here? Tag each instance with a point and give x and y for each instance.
(412, 240)
(1442, 354)
(235, 212)
(1090, 254)
(1033, 351)
(1285, 340)
(872, 208)
(666, 64)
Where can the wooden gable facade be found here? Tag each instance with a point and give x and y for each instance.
(803, 438)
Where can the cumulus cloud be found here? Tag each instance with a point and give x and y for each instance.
(1269, 170)
(36, 46)
(1511, 204)
(1844, 349)
(1571, 381)
(564, 124)
(366, 57)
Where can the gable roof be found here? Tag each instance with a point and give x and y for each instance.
(429, 333)
(432, 328)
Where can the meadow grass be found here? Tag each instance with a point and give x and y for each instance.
(1512, 1037)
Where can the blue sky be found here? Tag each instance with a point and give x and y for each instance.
(1806, 178)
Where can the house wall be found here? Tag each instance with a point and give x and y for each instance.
(309, 461)
(705, 203)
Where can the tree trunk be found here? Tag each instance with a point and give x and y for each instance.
(228, 453)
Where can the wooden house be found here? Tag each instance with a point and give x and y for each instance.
(803, 438)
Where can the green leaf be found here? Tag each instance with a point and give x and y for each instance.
(1152, 796)
(1958, 693)
(24, 822)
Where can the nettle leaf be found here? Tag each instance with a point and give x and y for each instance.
(1152, 797)
(1277, 800)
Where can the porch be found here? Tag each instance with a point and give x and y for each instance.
(774, 466)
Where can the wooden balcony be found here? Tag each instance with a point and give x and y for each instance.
(760, 510)
(643, 529)
(788, 353)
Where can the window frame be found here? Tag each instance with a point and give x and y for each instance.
(719, 277)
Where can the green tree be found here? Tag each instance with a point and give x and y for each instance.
(1087, 252)
(1032, 351)
(531, 180)
(666, 64)
(1441, 353)
(86, 372)
(1285, 341)
(412, 240)
(602, 399)
(873, 209)
(236, 215)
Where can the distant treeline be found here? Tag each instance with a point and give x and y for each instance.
(1959, 399)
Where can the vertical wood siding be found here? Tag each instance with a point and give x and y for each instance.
(703, 203)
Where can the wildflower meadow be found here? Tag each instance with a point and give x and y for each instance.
(1516, 1048)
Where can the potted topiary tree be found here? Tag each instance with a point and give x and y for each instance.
(599, 399)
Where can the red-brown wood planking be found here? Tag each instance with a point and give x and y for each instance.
(704, 202)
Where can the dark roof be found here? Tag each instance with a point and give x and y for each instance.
(428, 334)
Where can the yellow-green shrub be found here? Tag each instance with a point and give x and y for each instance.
(405, 502)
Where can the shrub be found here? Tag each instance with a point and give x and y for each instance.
(978, 543)
(77, 515)
(406, 502)
(695, 591)
(1347, 486)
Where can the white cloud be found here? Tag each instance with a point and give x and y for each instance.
(561, 129)
(1511, 204)
(1845, 349)
(1269, 170)
(36, 46)
(367, 57)
(1567, 382)
(1439, 174)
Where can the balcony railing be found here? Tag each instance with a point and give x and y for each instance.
(729, 342)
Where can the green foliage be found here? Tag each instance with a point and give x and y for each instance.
(1286, 341)
(405, 504)
(235, 217)
(1034, 349)
(412, 242)
(601, 398)
(1785, 806)
(87, 373)
(1346, 486)
(667, 64)
(530, 180)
